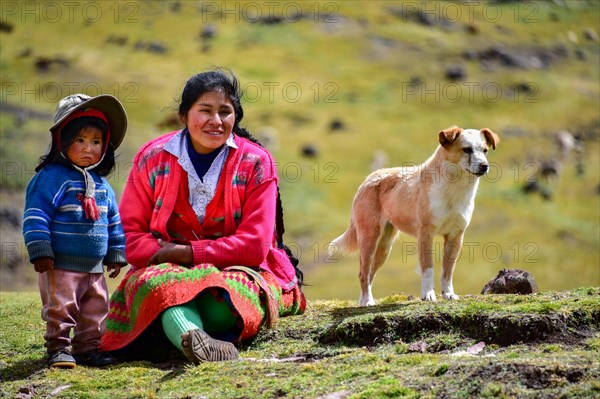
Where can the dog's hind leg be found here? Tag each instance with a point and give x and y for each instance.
(368, 237)
(374, 252)
(452, 245)
(366, 263)
(384, 247)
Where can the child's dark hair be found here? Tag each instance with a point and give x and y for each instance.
(225, 81)
(68, 134)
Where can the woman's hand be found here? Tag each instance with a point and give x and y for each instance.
(180, 254)
(42, 264)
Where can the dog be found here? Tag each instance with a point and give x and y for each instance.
(434, 198)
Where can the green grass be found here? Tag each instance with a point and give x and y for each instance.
(564, 364)
(345, 72)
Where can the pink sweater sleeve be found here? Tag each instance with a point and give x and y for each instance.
(137, 204)
(250, 244)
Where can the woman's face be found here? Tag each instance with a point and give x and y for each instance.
(86, 148)
(210, 121)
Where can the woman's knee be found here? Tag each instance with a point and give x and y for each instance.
(217, 314)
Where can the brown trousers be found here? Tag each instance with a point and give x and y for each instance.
(73, 300)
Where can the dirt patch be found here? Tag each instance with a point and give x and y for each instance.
(502, 329)
(511, 380)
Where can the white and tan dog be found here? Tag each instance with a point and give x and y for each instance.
(434, 198)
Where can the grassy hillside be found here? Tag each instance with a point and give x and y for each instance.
(495, 346)
(530, 69)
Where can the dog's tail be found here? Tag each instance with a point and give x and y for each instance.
(346, 243)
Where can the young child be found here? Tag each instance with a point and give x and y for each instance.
(72, 227)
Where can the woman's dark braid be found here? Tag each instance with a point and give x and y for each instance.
(280, 229)
(279, 226)
(240, 131)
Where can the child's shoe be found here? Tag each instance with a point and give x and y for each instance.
(95, 358)
(61, 359)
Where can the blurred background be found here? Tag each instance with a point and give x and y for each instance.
(336, 89)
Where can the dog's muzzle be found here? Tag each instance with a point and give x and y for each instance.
(482, 170)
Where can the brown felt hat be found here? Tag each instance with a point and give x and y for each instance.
(105, 103)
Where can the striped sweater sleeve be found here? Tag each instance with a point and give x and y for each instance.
(40, 207)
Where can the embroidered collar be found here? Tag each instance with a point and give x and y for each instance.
(201, 191)
(176, 144)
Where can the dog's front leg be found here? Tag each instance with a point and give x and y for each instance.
(452, 246)
(425, 239)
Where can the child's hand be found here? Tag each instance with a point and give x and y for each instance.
(114, 268)
(42, 264)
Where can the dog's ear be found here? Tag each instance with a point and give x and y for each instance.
(491, 138)
(447, 136)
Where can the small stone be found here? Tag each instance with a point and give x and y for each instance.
(511, 281)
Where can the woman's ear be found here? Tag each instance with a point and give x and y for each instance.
(183, 119)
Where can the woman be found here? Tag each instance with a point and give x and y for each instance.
(203, 226)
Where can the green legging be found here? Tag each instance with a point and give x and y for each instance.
(203, 311)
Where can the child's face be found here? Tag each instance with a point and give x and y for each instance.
(86, 148)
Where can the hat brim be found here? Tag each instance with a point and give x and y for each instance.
(111, 108)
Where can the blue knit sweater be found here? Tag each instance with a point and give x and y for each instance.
(55, 226)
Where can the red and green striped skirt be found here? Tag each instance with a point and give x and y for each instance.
(144, 293)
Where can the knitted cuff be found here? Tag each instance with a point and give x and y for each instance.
(40, 249)
(115, 256)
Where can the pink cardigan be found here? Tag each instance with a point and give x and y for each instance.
(155, 205)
